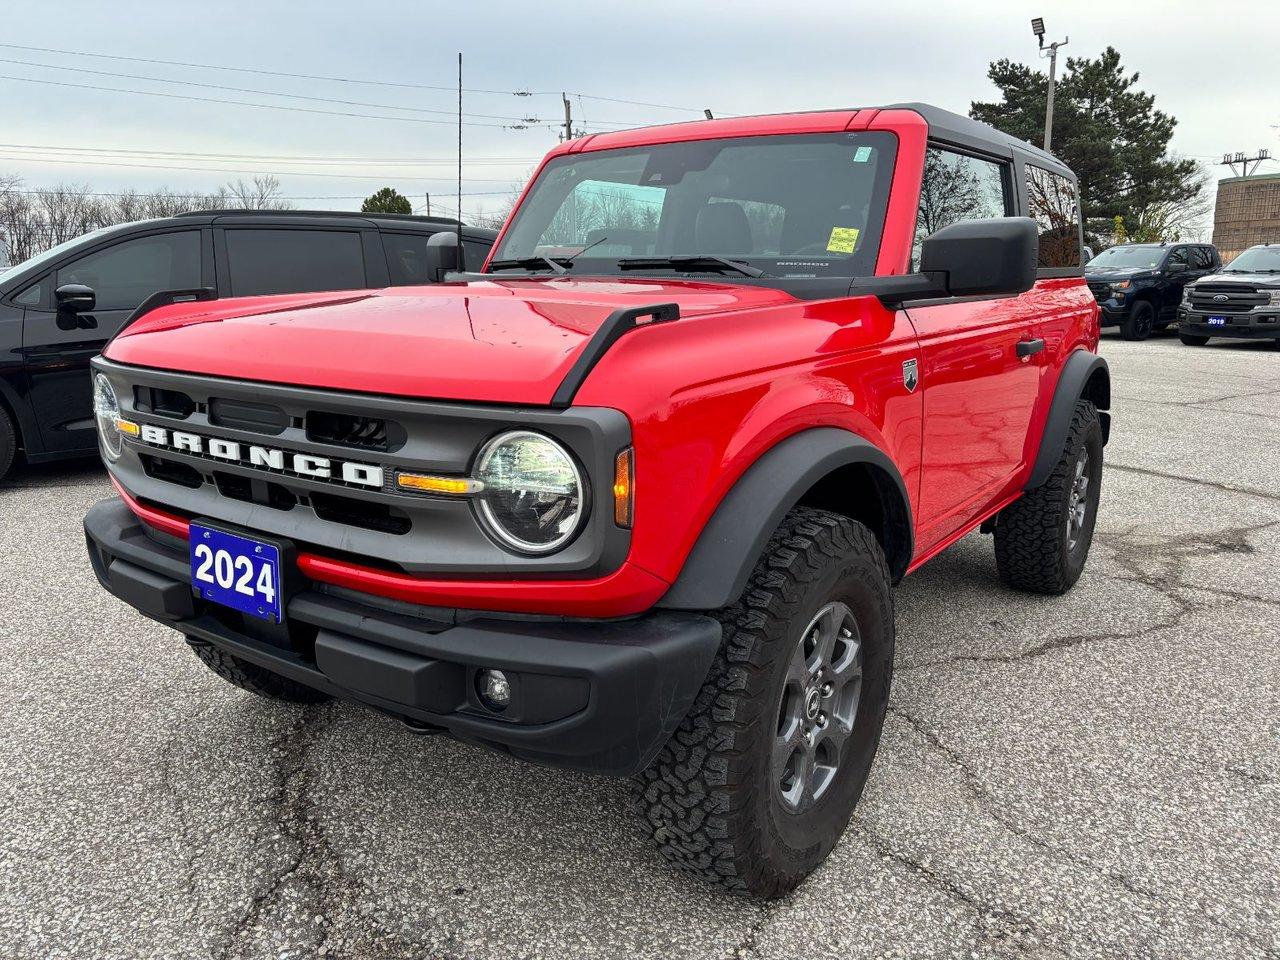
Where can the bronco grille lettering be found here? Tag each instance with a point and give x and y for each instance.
(264, 458)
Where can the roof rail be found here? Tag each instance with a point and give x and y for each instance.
(412, 217)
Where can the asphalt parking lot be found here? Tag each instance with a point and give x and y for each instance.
(1086, 776)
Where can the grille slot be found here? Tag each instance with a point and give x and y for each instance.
(360, 513)
(351, 430)
(252, 490)
(246, 415)
(170, 471)
(163, 403)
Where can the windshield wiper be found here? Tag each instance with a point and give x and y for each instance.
(531, 263)
(691, 261)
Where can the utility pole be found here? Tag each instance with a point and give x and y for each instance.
(1051, 51)
(568, 118)
(428, 204)
(1231, 160)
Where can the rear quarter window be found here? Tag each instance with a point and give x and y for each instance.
(294, 261)
(1052, 201)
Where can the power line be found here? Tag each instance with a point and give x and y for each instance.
(256, 157)
(197, 193)
(264, 93)
(332, 79)
(282, 173)
(245, 103)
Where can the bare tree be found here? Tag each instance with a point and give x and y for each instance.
(495, 218)
(262, 193)
(1183, 216)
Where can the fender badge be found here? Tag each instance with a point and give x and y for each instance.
(910, 375)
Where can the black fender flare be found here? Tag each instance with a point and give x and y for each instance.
(1085, 376)
(716, 571)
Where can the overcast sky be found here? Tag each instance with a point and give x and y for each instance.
(1211, 65)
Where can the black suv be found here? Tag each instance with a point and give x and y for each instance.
(1139, 285)
(59, 308)
(1241, 301)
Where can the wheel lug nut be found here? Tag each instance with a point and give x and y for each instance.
(822, 720)
(827, 689)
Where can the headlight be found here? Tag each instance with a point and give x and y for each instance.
(531, 494)
(1186, 293)
(1121, 285)
(1275, 298)
(106, 409)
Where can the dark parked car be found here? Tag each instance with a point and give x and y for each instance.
(1139, 285)
(1242, 301)
(58, 309)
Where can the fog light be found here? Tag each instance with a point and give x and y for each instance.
(495, 689)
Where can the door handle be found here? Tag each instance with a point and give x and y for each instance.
(1029, 348)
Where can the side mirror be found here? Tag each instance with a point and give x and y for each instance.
(983, 258)
(1176, 268)
(442, 255)
(75, 298)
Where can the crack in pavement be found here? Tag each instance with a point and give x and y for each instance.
(990, 804)
(1225, 487)
(309, 862)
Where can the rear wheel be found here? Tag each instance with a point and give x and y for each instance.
(758, 783)
(251, 677)
(1191, 340)
(8, 442)
(1137, 326)
(1042, 540)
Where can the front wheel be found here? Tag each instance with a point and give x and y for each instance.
(8, 442)
(1137, 325)
(1042, 539)
(758, 783)
(1191, 340)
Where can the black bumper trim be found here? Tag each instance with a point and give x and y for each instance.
(598, 696)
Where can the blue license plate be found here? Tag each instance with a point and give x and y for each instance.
(237, 572)
(1217, 321)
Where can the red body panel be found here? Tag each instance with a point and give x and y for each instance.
(744, 368)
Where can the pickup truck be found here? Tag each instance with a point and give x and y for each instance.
(632, 499)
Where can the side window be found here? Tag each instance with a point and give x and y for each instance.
(1053, 203)
(476, 252)
(958, 187)
(33, 296)
(1203, 259)
(294, 261)
(1178, 257)
(406, 258)
(127, 273)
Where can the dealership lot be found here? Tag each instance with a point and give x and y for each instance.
(1092, 775)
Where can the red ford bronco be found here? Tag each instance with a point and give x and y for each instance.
(632, 499)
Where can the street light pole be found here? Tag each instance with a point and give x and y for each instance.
(1050, 51)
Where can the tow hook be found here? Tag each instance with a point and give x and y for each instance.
(420, 728)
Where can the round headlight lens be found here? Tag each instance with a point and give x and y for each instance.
(106, 409)
(532, 498)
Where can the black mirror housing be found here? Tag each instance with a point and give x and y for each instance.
(75, 298)
(443, 255)
(983, 258)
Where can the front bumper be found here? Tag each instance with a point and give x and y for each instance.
(1253, 325)
(1112, 312)
(598, 696)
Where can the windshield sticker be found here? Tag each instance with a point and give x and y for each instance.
(843, 240)
(862, 155)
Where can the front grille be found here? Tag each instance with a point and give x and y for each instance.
(247, 415)
(360, 513)
(1100, 291)
(253, 490)
(1237, 298)
(171, 472)
(163, 403)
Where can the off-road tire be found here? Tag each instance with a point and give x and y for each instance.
(710, 801)
(8, 442)
(1140, 321)
(251, 677)
(1191, 340)
(1033, 546)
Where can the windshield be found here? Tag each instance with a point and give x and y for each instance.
(790, 206)
(1139, 258)
(1257, 260)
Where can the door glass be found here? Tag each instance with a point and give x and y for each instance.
(1053, 203)
(1177, 257)
(294, 261)
(957, 187)
(33, 296)
(476, 252)
(127, 273)
(406, 258)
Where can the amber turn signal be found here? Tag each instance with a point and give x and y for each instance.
(624, 487)
(426, 483)
(128, 427)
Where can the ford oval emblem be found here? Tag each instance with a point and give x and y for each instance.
(1220, 298)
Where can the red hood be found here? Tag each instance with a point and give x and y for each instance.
(509, 341)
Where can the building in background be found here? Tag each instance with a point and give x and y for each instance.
(1247, 213)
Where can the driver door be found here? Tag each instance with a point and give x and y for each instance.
(57, 348)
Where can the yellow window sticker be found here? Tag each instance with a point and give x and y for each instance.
(843, 240)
